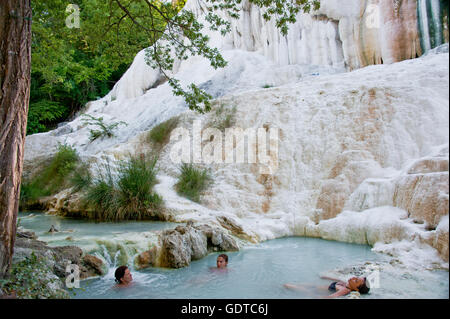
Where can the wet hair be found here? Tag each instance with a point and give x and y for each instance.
(120, 272)
(363, 289)
(225, 257)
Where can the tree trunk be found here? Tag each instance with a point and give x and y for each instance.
(15, 70)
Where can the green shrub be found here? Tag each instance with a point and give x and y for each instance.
(160, 134)
(267, 86)
(129, 195)
(104, 129)
(29, 279)
(192, 181)
(44, 114)
(81, 178)
(52, 178)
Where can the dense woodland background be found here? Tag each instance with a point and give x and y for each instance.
(71, 66)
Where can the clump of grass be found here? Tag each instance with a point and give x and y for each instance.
(267, 86)
(53, 178)
(224, 118)
(81, 178)
(129, 195)
(192, 182)
(160, 134)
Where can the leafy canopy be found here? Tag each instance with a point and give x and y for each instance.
(71, 66)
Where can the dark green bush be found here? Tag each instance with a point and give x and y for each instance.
(129, 195)
(44, 114)
(81, 178)
(160, 134)
(52, 178)
(192, 181)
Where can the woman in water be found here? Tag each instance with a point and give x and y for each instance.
(123, 276)
(337, 287)
(222, 261)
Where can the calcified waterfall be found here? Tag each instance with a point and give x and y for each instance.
(362, 155)
(433, 22)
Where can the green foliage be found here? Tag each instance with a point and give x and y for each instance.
(224, 118)
(81, 178)
(73, 66)
(267, 86)
(104, 129)
(43, 114)
(52, 178)
(160, 134)
(192, 181)
(29, 279)
(129, 195)
(285, 12)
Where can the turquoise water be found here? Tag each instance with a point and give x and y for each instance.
(107, 240)
(260, 272)
(80, 229)
(256, 271)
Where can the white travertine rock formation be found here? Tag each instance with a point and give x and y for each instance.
(363, 155)
(345, 35)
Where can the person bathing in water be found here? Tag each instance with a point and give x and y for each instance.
(123, 276)
(337, 287)
(221, 264)
(222, 261)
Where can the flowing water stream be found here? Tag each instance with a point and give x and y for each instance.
(256, 271)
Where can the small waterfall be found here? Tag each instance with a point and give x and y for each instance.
(432, 23)
(106, 257)
(113, 258)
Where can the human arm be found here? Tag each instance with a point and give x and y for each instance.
(339, 293)
(330, 278)
(291, 286)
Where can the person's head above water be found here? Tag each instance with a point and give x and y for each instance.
(222, 261)
(358, 284)
(123, 275)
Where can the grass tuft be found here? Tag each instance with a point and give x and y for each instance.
(129, 195)
(52, 178)
(224, 118)
(192, 182)
(160, 134)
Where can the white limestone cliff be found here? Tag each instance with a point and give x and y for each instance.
(363, 155)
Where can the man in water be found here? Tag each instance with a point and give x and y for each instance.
(123, 276)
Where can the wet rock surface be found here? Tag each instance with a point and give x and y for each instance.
(57, 258)
(183, 244)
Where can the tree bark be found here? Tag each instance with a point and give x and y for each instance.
(15, 71)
